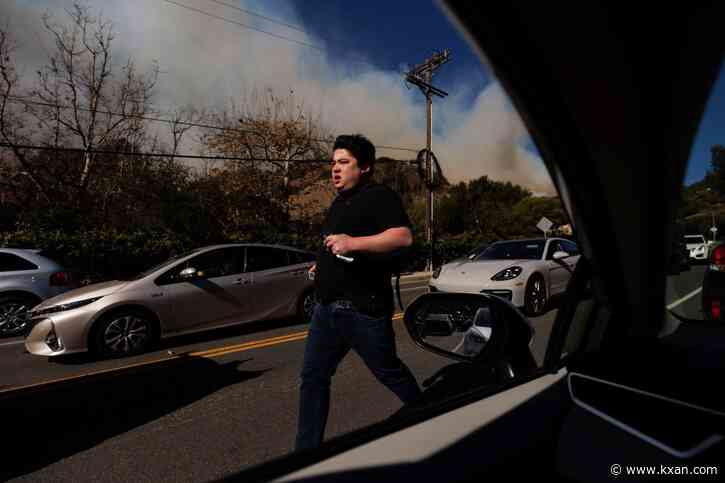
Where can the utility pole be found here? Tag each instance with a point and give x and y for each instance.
(422, 76)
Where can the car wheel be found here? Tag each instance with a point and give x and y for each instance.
(535, 296)
(124, 333)
(13, 314)
(306, 306)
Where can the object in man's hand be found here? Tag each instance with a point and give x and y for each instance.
(341, 257)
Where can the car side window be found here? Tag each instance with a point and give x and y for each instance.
(14, 263)
(213, 264)
(296, 257)
(265, 258)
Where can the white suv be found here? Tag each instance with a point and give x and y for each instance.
(27, 277)
(697, 246)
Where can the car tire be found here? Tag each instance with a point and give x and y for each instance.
(535, 296)
(124, 333)
(306, 306)
(13, 308)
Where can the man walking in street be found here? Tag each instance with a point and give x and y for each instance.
(366, 226)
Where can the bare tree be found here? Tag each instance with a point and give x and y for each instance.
(90, 102)
(12, 122)
(269, 129)
(277, 134)
(182, 120)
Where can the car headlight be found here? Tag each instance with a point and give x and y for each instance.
(63, 307)
(508, 274)
(437, 272)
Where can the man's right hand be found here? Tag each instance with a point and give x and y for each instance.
(312, 269)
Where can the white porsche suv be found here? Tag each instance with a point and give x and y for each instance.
(525, 272)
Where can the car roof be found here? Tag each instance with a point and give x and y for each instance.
(232, 245)
(31, 254)
(533, 240)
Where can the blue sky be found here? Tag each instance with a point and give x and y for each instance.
(711, 131)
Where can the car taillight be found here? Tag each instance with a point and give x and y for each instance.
(718, 259)
(60, 279)
(715, 309)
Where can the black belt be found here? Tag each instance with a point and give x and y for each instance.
(350, 305)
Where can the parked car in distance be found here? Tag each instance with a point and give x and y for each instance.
(697, 245)
(27, 277)
(207, 288)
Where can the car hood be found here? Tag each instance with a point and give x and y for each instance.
(83, 293)
(479, 268)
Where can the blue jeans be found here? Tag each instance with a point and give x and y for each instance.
(333, 332)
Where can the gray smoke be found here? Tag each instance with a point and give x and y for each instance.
(205, 62)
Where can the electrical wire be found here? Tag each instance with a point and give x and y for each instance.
(20, 100)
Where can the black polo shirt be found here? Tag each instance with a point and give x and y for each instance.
(365, 210)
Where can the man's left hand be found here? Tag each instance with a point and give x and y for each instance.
(340, 244)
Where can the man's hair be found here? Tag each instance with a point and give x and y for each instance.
(360, 147)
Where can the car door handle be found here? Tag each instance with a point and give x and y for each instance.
(242, 281)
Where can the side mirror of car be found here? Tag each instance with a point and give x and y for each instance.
(188, 274)
(478, 328)
(559, 255)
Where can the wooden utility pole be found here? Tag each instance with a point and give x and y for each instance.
(422, 76)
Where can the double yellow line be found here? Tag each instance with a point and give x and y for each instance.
(208, 354)
(221, 351)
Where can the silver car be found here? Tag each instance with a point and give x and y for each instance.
(207, 288)
(27, 277)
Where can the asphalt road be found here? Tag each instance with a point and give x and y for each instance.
(223, 401)
(684, 292)
(219, 403)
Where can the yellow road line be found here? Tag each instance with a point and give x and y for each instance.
(248, 345)
(209, 353)
(257, 346)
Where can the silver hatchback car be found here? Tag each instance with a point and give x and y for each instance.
(210, 287)
(27, 277)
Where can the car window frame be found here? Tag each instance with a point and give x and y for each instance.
(551, 249)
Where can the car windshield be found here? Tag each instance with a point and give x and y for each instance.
(518, 250)
(215, 125)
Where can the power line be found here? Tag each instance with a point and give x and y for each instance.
(249, 12)
(20, 100)
(170, 155)
(282, 37)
